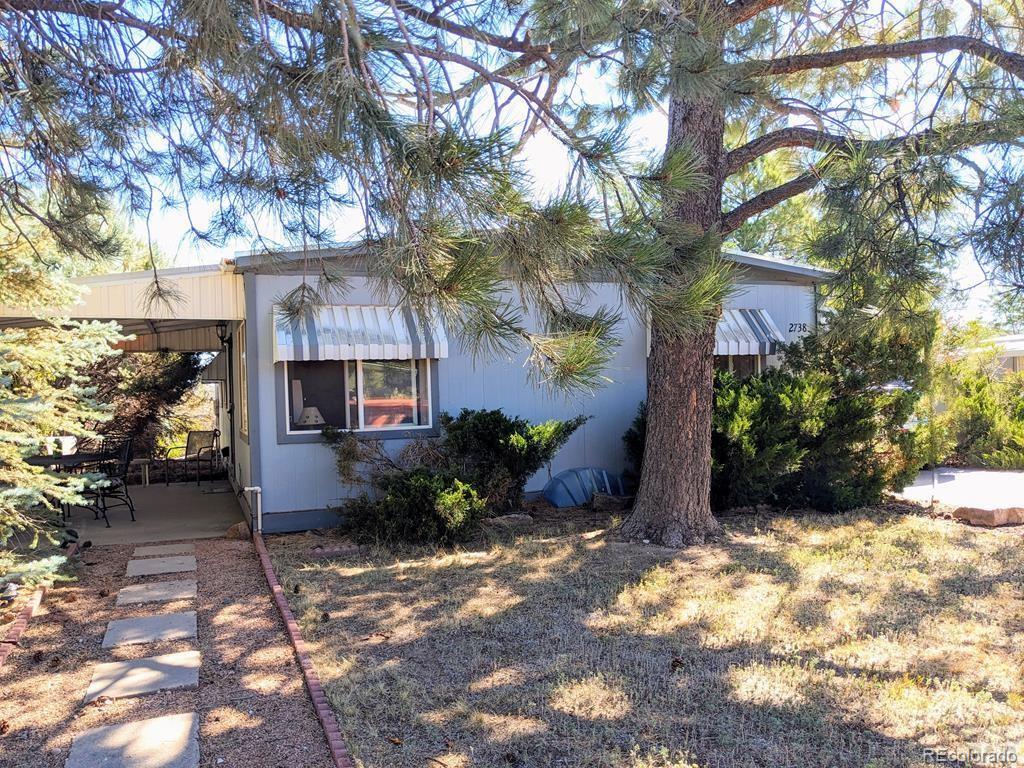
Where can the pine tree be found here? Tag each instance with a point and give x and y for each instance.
(414, 112)
(45, 390)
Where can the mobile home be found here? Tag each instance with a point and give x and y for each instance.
(382, 372)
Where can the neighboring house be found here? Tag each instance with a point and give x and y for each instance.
(386, 374)
(1011, 352)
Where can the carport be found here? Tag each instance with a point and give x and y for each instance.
(202, 313)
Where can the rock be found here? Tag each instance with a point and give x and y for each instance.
(606, 502)
(510, 522)
(126, 679)
(990, 518)
(150, 629)
(238, 531)
(152, 566)
(10, 592)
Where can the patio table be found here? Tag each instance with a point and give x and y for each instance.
(144, 463)
(71, 461)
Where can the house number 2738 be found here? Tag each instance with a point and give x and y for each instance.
(802, 327)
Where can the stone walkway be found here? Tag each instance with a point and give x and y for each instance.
(170, 741)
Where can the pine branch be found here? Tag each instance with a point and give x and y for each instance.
(293, 19)
(959, 136)
(538, 106)
(768, 199)
(930, 141)
(1010, 62)
(99, 11)
(475, 34)
(744, 10)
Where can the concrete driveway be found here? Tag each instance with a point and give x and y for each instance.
(981, 488)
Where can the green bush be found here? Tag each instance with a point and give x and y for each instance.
(974, 414)
(760, 427)
(497, 454)
(804, 440)
(634, 441)
(439, 488)
(808, 440)
(417, 506)
(976, 418)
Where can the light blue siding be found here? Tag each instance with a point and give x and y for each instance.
(298, 477)
(301, 477)
(790, 305)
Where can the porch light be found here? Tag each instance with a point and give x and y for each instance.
(222, 332)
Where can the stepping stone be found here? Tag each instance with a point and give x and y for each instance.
(171, 741)
(150, 629)
(157, 565)
(120, 679)
(156, 592)
(184, 548)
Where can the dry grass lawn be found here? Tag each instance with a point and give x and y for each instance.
(853, 640)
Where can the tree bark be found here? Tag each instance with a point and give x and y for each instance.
(673, 505)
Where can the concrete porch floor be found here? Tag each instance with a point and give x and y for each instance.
(163, 513)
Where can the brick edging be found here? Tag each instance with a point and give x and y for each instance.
(339, 752)
(20, 624)
(17, 629)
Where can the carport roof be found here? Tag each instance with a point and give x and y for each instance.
(203, 296)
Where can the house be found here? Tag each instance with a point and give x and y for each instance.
(1011, 352)
(386, 374)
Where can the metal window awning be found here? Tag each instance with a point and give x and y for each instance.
(215, 370)
(747, 332)
(358, 332)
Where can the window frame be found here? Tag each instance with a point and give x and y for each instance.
(360, 399)
(243, 381)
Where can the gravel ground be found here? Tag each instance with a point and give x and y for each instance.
(253, 707)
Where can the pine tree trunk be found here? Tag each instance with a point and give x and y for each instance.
(673, 505)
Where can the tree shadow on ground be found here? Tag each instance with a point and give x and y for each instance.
(580, 650)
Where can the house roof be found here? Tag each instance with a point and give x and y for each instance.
(1012, 344)
(784, 269)
(208, 294)
(778, 264)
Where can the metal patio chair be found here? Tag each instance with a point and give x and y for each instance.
(113, 486)
(200, 446)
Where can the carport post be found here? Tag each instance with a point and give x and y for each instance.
(259, 505)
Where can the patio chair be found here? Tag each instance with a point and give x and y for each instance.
(113, 487)
(200, 446)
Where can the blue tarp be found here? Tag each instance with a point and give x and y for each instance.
(575, 487)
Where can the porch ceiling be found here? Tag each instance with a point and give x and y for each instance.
(150, 335)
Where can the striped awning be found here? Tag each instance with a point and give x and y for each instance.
(747, 332)
(358, 332)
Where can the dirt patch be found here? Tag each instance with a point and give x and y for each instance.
(253, 708)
